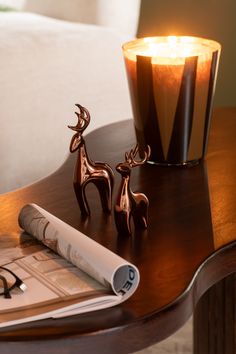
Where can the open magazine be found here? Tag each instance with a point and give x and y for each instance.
(72, 275)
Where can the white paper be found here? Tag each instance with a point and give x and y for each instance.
(78, 268)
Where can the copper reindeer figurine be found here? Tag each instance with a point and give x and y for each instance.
(86, 170)
(128, 203)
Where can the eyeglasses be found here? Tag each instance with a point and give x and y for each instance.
(10, 282)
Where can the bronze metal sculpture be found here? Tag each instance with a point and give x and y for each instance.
(129, 204)
(86, 171)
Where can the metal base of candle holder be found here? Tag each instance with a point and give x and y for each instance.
(183, 164)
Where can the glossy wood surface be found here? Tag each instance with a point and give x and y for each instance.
(215, 319)
(188, 246)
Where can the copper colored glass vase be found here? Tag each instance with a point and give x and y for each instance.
(172, 83)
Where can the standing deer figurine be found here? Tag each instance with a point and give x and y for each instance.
(128, 203)
(86, 170)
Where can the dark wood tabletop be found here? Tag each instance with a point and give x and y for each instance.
(189, 245)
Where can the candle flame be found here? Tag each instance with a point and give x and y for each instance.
(171, 50)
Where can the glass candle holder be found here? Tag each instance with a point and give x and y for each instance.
(172, 83)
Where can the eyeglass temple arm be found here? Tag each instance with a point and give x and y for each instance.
(7, 294)
(19, 283)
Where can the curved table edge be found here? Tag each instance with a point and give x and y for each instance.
(149, 329)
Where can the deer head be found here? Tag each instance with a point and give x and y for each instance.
(125, 167)
(83, 121)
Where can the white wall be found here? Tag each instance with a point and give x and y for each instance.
(17, 4)
(120, 14)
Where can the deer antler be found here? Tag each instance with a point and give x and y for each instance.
(130, 157)
(83, 119)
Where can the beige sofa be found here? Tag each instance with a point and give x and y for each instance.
(46, 66)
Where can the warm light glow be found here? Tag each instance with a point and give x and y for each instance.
(172, 82)
(171, 50)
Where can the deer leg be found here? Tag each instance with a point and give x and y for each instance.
(81, 198)
(122, 221)
(105, 191)
(140, 215)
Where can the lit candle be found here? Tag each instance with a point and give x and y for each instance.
(172, 82)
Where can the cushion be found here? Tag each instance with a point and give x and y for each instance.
(46, 66)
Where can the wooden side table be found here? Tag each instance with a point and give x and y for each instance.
(186, 257)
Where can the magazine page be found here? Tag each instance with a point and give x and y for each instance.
(91, 257)
(51, 284)
(72, 275)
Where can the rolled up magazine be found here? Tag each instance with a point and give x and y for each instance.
(73, 274)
